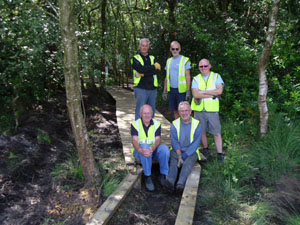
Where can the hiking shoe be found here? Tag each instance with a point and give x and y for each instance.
(221, 157)
(168, 185)
(179, 188)
(149, 183)
(162, 179)
(206, 153)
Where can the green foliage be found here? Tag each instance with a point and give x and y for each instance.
(237, 167)
(6, 123)
(30, 56)
(222, 200)
(43, 138)
(237, 137)
(277, 153)
(261, 214)
(293, 219)
(14, 161)
(69, 171)
(111, 178)
(110, 185)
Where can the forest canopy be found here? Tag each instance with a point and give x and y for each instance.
(230, 33)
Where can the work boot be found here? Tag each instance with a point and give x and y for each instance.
(162, 179)
(206, 153)
(149, 183)
(179, 188)
(221, 157)
(168, 185)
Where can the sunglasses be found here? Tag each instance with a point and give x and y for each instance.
(203, 66)
(173, 49)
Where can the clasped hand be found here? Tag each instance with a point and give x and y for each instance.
(147, 152)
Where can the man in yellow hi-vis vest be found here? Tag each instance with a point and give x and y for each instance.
(207, 88)
(185, 139)
(146, 133)
(178, 80)
(145, 81)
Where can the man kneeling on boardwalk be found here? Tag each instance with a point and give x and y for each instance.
(185, 141)
(146, 133)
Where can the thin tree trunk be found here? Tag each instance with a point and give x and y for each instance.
(172, 19)
(73, 91)
(263, 82)
(103, 40)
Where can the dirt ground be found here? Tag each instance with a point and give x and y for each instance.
(30, 195)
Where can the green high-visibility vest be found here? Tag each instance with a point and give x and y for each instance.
(194, 125)
(143, 138)
(207, 104)
(137, 76)
(182, 84)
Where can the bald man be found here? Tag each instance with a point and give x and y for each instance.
(146, 133)
(178, 80)
(206, 88)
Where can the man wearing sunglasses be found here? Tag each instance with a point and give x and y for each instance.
(145, 82)
(207, 87)
(178, 80)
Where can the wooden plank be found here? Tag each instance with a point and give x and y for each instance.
(187, 206)
(125, 111)
(108, 208)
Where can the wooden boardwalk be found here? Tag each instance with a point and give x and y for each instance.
(125, 111)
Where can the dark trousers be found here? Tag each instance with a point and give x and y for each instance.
(186, 168)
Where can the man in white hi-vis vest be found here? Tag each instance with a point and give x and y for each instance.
(145, 82)
(185, 139)
(207, 88)
(146, 133)
(178, 80)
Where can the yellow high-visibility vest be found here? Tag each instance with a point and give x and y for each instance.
(194, 125)
(143, 138)
(207, 104)
(137, 76)
(182, 83)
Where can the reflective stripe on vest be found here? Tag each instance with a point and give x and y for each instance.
(194, 125)
(143, 139)
(137, 76)
(182, 85)
(207, 104)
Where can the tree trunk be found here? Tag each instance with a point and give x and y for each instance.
(73, 92)
(263, 82)
(103, 40)
(172, 19)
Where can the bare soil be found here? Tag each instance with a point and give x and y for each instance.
(30, 194)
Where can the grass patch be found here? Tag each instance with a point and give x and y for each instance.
(278, 152)
(69, 173)
(260, 215)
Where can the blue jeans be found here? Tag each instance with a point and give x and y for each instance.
(161, 154)
(142, 97)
